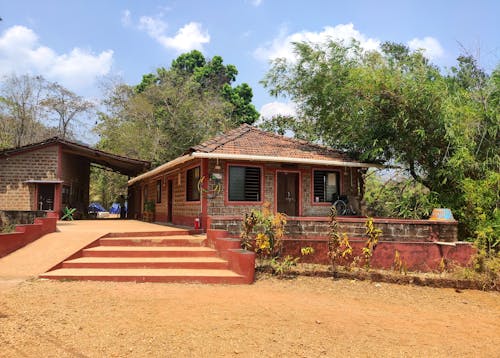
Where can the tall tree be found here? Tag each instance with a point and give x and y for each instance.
(20, 108)
(174, 113)
(393, 105)
(212, 75)
(28, 106)
(65, 105)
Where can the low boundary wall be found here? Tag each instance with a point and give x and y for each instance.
(423, 245)
(20, 217)
(240, 261)
(25, 234)
(354, 227)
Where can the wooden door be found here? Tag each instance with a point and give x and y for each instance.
(287, 193)
(45, 196)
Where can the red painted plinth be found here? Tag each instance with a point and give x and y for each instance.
(416, 256)
(240, 261)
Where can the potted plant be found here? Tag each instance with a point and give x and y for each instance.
(149, 211)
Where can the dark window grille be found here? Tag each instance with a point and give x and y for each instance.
(324, 189)
(244, 183)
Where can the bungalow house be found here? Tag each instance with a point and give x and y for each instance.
(216, 182)
(54, 173)
(219, 180)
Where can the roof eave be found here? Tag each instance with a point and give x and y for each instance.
(247, 157)
(265, 158)
(161, 168)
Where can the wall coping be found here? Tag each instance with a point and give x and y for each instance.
(348, 219)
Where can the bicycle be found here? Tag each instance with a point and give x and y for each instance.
(341, 204)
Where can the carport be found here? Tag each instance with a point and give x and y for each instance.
(52, 174)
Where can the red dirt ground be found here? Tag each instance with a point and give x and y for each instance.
(302, 317)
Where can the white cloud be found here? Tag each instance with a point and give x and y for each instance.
(189, 37)
(126, 18)
(282, 46)
(153, 26)
(256, 2)
(272, 109)
(430, 46)
(21, 52)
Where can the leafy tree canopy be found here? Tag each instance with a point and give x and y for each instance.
(163, 120)
(394, 105)
(212, 75)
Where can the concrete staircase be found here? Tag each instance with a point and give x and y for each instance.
(170, 256)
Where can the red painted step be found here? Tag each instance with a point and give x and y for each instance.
(147, 275)
(170, 256)
(154, 233)
(147, 262)
(171, 240)
(149, 251)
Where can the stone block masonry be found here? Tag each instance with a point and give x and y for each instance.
(20, 217)
(392, 229)
(15, 193)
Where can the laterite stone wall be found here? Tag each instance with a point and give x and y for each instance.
(15, 193)
(392, 229)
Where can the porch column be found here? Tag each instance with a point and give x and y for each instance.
(204, 198)
(58, 198)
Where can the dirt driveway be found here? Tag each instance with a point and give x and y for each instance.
(303, 317)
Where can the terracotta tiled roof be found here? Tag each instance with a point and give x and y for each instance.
(250, 140)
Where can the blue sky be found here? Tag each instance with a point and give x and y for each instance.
(76, 42)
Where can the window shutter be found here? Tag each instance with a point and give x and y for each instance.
(192, 177)
(252, 184)
(244, 183)
(326, 185)
(319, 185)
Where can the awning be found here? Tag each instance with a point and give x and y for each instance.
(120, 164)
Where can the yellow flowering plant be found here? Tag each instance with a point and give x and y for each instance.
(267, 228)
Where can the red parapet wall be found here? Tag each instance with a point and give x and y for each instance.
(416, 256)
(25, 234)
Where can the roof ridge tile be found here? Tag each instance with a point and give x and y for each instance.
(240, 140)
(222, 138)
(300, 141)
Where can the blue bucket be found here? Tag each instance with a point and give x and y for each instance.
(442, 215)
